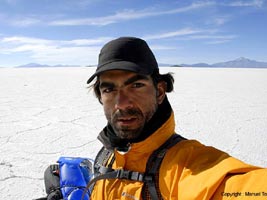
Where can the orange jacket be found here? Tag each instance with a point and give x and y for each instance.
(189, 170)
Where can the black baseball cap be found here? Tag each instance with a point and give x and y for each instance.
(126, 53)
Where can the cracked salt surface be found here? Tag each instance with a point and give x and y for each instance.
(49, 112)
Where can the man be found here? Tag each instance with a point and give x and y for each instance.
(140, 120)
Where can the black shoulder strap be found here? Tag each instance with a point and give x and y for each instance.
(103, 169)
(154, 163)
(102, 160)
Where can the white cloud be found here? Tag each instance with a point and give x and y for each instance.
(209, 36)
(193, 6)
(32, 40)
(162, 47)
(254, 3)
(124, 15)
(79, 51)
(218, 41)
(28, 48)
(85, 51)
(24, 22)
(68, 55)
(127, 15)
(181, 32)
(221, 37)
(11, 2)
(25, 40)
(85, 42)
(221, 20)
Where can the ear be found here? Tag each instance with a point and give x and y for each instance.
(161, 91)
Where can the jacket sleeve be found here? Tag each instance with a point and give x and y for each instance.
(194, 171)
(250, 185)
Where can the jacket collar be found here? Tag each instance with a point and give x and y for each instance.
(155, 140)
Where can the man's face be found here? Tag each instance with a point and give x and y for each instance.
(129, 101)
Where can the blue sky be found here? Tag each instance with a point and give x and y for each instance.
(73, 31)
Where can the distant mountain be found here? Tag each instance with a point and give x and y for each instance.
(36, 65)
(237, 63)
(241, 63)
(196, 65)
(32, 65)
(164, 65)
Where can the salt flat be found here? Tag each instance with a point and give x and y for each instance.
(49, 112)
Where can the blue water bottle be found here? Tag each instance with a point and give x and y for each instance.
(75, 173)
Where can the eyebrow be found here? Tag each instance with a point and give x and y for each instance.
(106, 84)
(127, 82)
(135, 78)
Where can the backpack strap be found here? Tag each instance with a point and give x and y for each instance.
(102, 160)
(153, 165)
(103, 169)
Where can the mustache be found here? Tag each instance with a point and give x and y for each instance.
(127, 113)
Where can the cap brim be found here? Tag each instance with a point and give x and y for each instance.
(119, 65)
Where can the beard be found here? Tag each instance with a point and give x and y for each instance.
(130, 131)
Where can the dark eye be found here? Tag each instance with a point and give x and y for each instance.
(107, 90)
(138, 85)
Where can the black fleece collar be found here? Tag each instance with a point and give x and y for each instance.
(110, 140)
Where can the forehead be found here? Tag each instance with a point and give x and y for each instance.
(116, 75)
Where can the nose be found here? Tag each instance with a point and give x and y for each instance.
(123, 100)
